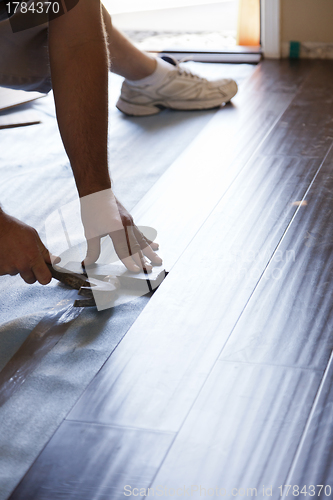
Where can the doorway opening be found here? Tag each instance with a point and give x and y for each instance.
(220, 31)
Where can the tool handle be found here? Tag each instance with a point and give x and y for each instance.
(70, 279)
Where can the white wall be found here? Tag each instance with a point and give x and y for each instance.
(308, 22)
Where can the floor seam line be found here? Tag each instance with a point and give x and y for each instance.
(305, 368)
(309, 420)
(119, 426)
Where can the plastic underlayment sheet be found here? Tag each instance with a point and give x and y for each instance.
(35, 180)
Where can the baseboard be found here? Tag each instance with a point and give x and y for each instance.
(311, 50)
(250, 55)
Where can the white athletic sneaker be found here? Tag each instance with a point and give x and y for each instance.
(179, 89)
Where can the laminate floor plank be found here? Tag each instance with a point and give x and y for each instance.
(93, 462)
(143, 148)
(321, 78)
(243, 430)
(308, 122)
(283, 76)
(289, 319)
(310, 112)
(286, 326)
(288, 322)
(156, 373)
(313, 462)
(179, 203)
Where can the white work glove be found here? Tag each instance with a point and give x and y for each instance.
(102, 214)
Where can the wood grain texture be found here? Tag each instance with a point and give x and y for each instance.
(290, 324)
(243, 430)
(93, 462)
(312, 464)
(143, 148)
(167, 355)
(289, 319)
(198, 179)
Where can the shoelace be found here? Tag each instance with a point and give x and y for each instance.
(186, 72)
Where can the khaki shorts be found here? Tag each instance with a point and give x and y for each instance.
(24, 58)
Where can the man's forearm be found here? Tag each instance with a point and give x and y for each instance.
(79, 69)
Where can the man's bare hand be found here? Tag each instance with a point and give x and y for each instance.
(102, 214)
(22, 251)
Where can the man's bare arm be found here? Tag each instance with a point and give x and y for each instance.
(79, 69)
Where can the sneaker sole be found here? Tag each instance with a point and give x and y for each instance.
(131, 109)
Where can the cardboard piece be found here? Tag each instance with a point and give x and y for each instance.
(19, 119)
(10, 98)
(11, 117)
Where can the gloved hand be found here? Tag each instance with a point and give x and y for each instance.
(102, 214)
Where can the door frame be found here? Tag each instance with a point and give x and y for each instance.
(270, 28)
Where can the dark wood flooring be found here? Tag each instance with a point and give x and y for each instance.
(225, 379)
